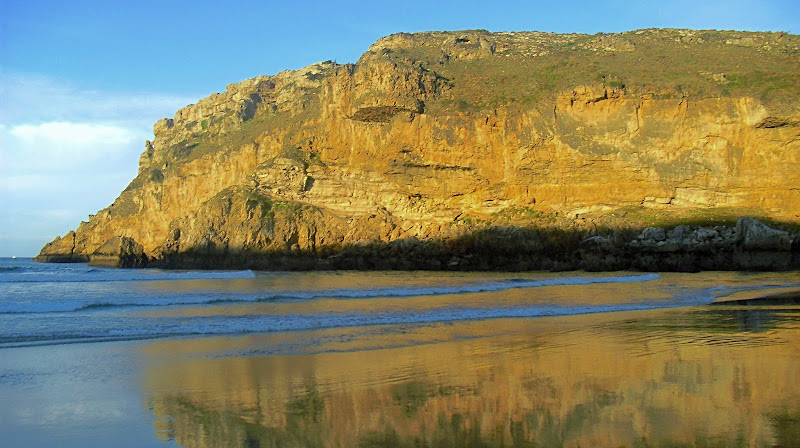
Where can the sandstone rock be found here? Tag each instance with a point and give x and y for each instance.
(750, 245)
(705, 235)
(653, 234)
(162, 126)
(437, 136)
(61, 250)
(598, 243)
(119, 252)
(754, 235)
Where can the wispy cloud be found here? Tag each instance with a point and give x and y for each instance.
(64, 146)
(32, 98)
(61, 132)
(68, 150)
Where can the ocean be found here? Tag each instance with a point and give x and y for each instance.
(243, 358)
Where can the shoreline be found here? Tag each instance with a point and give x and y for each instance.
(676, 262)
(749, 245)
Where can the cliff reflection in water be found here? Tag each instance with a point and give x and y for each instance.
(695, 376)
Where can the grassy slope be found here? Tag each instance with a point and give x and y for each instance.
(660, 65)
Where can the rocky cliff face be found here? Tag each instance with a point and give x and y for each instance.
(433, 137)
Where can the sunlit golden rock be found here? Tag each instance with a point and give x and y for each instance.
(435, 135)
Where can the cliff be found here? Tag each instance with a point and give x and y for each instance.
(456, 142)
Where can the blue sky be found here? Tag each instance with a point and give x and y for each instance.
(82, 82)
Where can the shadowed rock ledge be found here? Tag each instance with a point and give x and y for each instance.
(750, 245)
(119, 251)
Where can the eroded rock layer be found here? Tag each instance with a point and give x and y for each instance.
(446, 136)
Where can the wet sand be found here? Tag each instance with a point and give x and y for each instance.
(693, 376)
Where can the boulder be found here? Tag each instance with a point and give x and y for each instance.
(760, 247)
(61, 250)
(754, 235)
(119, 252)
(653, 233)
(751, 246)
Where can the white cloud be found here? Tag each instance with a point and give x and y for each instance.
(71, 133)
(59, 147)
(66, 153)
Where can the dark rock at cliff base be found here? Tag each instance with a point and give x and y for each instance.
(119, 252)
(750, 245)
(761, 247)
(599, 253)
(754, 235)
(61, 258)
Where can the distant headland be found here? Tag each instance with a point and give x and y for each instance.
(474, 150)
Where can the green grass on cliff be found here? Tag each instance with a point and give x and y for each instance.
(663, 63)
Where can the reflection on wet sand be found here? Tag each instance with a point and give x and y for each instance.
(705, 376)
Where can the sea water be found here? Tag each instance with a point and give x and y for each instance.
(69, 303)
(118, 357)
